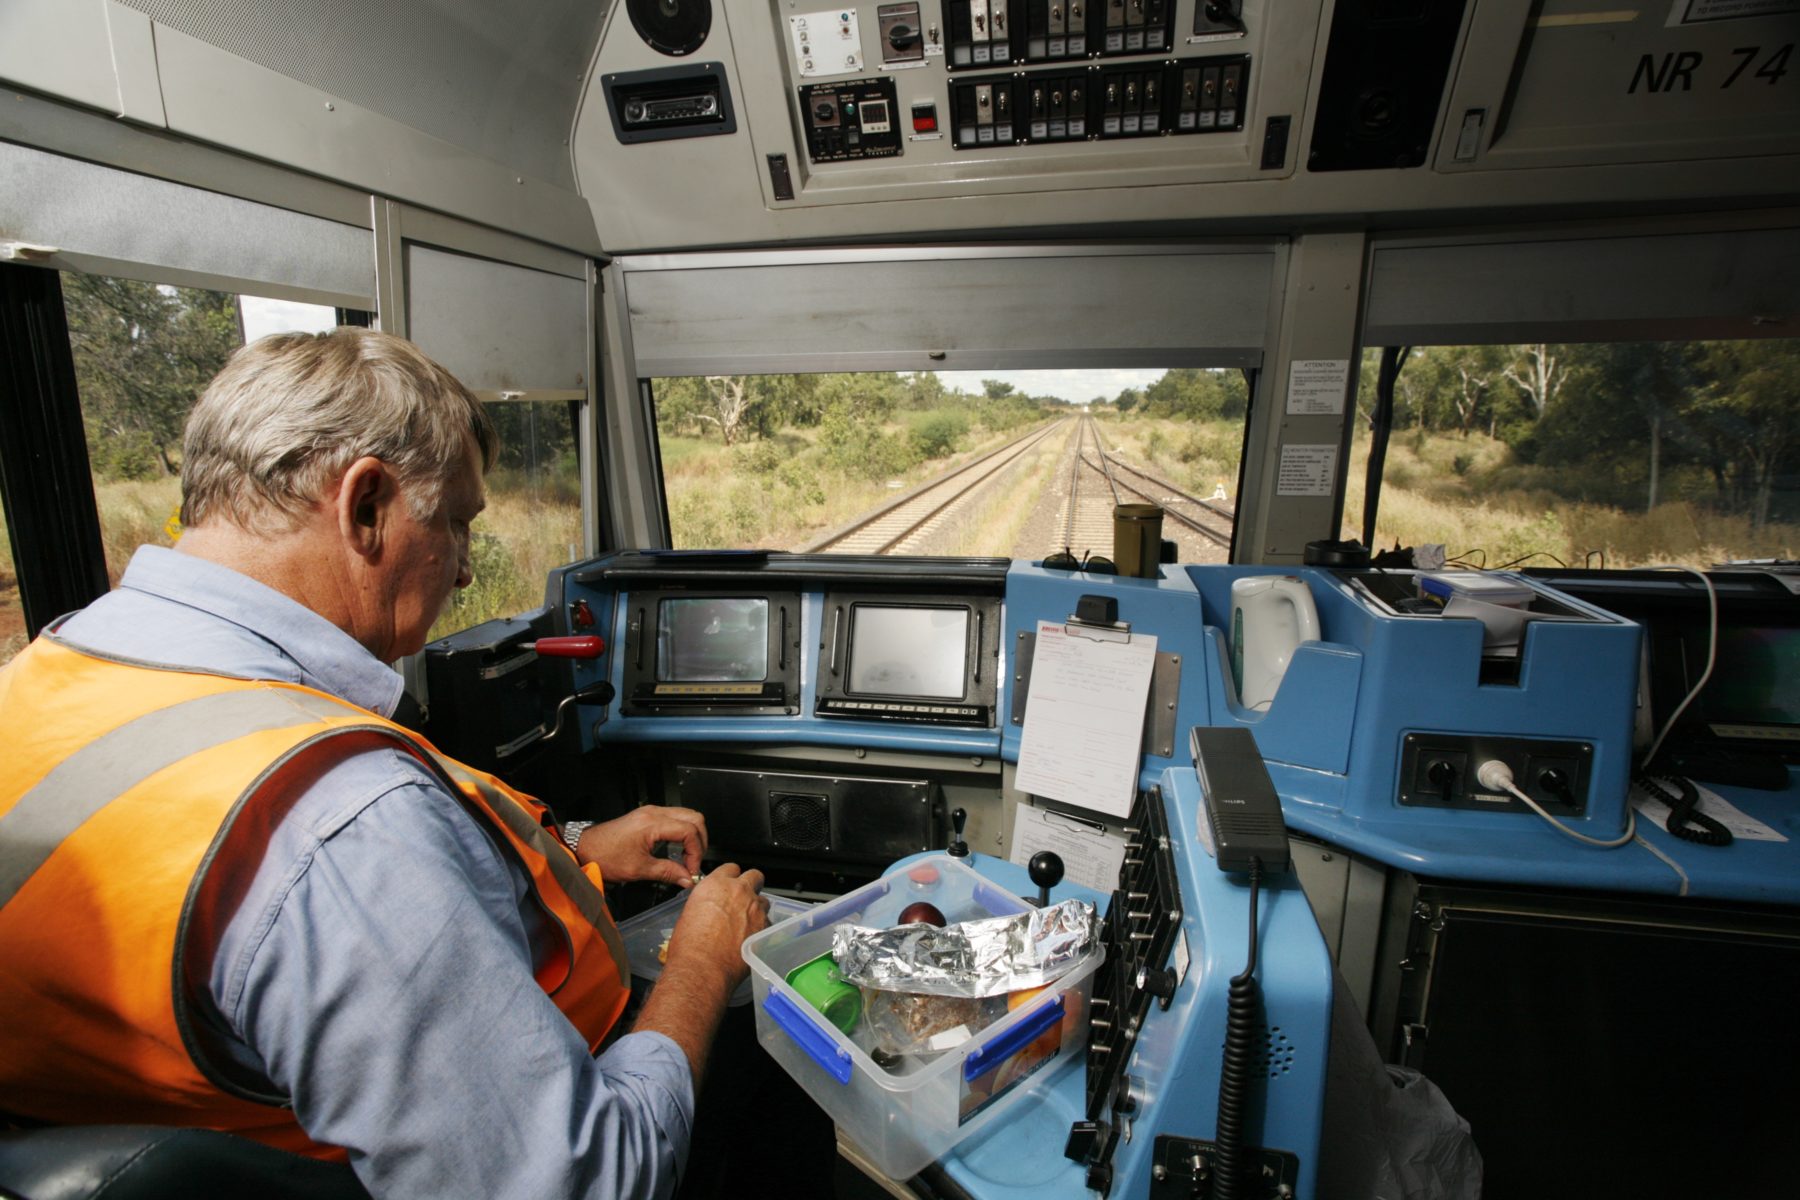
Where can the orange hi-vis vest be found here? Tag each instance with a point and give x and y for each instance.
(136, 804)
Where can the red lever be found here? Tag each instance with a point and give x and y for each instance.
(586, 646)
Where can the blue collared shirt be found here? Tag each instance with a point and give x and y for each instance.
(379, 969)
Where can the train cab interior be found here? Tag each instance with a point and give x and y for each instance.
(969, 429)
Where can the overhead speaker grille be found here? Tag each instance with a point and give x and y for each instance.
(798, 821)
(674, 27)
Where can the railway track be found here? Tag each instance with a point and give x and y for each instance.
(1086, 527)
(1099, 480)
(1210, 519)
(910, 517)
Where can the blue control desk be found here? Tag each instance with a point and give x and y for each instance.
(1174, 1056)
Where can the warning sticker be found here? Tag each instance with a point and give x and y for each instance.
(1316, 386)
(1306, 470)
(1698, 12)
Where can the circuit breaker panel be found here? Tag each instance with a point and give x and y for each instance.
(1186, 96)
(1040, 85)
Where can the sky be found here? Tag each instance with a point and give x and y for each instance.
(1078, 387)
(264, 316)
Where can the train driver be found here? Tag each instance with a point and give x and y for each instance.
(234, 894)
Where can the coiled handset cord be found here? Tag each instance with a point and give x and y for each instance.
(1685, 821)
(1241, 1022)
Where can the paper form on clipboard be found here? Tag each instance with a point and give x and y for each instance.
(1084, 716)
(1091, 856)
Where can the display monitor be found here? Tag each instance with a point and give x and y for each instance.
(1755, 686)
(712, 639)
(908, 651)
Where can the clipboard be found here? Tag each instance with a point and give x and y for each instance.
(1163, 717)
(1084, 716)
(1092, 855)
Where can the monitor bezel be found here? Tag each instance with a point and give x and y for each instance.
(981, 638)
(645, 693)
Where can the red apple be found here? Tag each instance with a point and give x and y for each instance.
(921, 913)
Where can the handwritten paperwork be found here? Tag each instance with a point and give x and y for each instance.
(1084, 716)
(1091, 856)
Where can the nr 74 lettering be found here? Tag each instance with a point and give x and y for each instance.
(1681, 70)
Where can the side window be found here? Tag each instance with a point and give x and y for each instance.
(533, 517)
(143, 353)
(1614, 454)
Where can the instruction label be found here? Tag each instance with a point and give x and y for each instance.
(1316, 386)
(1695, 12)
(1306, 470)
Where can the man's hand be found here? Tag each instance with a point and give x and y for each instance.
(705, 962)
(625, 849)
(726, 908)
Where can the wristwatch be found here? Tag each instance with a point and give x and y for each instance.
(572, 831)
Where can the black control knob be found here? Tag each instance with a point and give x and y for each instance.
(958, 847)
(1046, 870)
(1556, 782)
(1159, 982)
(1084, 1139)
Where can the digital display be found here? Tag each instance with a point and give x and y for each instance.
(1755, 679)
(898, 651)
(712, 639)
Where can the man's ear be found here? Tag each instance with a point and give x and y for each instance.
(364, 496)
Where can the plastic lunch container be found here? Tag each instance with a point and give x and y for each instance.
(645, 934)
(905, 1118)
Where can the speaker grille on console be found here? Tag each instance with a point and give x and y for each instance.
(1274, 1054)
(798, 821)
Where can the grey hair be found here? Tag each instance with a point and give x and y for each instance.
(291, 411)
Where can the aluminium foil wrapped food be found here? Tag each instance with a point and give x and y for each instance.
(985, 957)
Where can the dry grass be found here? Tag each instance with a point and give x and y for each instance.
(1455, 491)
(1196, 456)
(996, 526)
(136, 513)
(777, 494)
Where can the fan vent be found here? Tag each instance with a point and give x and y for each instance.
(799, 821)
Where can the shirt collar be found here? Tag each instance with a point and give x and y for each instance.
(329, 660)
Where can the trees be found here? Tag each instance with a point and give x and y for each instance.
(1538, 374)
(143, 353)
(1753, 399)
(1196, 394)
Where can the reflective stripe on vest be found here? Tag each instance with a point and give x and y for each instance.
(121, 791)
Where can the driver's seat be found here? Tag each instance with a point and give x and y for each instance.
(159, 1162)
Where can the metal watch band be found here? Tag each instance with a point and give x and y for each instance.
(572, 831)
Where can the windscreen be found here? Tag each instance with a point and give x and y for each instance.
(709, 639)
(908, 651)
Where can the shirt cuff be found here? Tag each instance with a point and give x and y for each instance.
(659, 1062)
